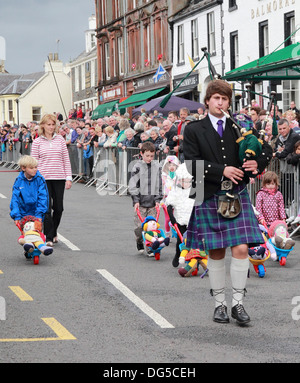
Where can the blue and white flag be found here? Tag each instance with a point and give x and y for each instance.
(159, 73)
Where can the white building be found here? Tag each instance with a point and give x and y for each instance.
(84, 72)
(25, 98)
(197, 26)
(256, 28)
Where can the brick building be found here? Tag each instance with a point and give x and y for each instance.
(134, 37)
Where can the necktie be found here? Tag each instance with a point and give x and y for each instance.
(220, 127)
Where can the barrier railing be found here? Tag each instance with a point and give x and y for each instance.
(112, 168)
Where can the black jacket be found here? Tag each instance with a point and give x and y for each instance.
(202, 142)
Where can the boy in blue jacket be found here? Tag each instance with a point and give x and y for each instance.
(30, 193)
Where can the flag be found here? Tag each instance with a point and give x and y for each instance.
(191, 63)
(159, 73)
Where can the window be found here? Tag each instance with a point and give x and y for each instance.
(234, 50)
(107, 58)
(180, 58)
(76, 81)
(10, 110)
(195, 39)
(36, 113)
(82, 76)
(120, 56)
(146, 45)
(93, 73)
(211, 32)
(290, 92)
(263, 38)
(289, 28)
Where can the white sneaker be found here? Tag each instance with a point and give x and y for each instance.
(297, 220)
(290, 220)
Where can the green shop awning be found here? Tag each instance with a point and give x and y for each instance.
(139, 98)
(283, 64)
(104, 110)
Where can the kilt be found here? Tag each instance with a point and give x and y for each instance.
(208, 230)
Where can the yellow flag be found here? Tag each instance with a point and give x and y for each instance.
(191, 62)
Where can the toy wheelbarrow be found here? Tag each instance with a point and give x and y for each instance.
(148, 244)
(193, 258)
(282, 254)
(259, 266)
(34, 255)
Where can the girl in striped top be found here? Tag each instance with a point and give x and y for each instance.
(51, 151)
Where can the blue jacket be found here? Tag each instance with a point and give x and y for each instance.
(29, 197)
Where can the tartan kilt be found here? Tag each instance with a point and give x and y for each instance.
(208, 230)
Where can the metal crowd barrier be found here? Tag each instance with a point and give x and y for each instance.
(112, 168)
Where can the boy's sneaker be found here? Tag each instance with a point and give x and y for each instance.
(150, 252)
(296, 220)
(140, 247)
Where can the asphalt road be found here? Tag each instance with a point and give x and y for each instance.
(96, 300)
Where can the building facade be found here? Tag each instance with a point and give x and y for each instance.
(256, 28)
(197, 26)
(84, 72)
(134, 37)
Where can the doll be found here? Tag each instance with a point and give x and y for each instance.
(192, 258)
(32, 237)
(152, 234)
(279, 235)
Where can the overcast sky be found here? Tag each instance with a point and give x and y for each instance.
(31, 29)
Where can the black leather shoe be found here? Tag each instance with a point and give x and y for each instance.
(220, 314)
(238, 312)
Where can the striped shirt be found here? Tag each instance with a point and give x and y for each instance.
(53, 157)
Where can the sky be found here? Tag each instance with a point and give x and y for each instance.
(31, 29)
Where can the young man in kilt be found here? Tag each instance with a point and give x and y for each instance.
(218, 153)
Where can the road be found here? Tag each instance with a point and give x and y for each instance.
(96, 300)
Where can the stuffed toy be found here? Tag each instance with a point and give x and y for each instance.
(152, 234)
(279, 235)
(192, 258)
(261, 252)
(32, 237)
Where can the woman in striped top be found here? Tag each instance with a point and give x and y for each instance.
(51, 151)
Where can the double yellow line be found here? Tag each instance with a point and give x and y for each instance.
(61, 332)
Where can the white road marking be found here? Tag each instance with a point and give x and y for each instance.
(155, 316)
(67, 242)
(2, 196)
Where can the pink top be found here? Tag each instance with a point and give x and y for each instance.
(270, 205)
(53, 157)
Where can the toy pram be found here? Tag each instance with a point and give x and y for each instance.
(165, 242)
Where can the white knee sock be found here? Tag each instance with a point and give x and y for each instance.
(239, 273)
(216, 272)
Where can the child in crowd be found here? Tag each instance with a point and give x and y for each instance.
(180, 205)
(293, 159)
(29, 194)
(145, 188)
(169, 167)
(269, 200)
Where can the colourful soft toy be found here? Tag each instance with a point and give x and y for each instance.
(261, 252)
(279, 235)
(191, 258)
(32, 237)
(152, 234)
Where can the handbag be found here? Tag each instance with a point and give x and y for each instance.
(3, 147)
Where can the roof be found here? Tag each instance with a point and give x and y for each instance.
(282, 64)
(17, 84)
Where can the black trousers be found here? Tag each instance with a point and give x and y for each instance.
(56, 189)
